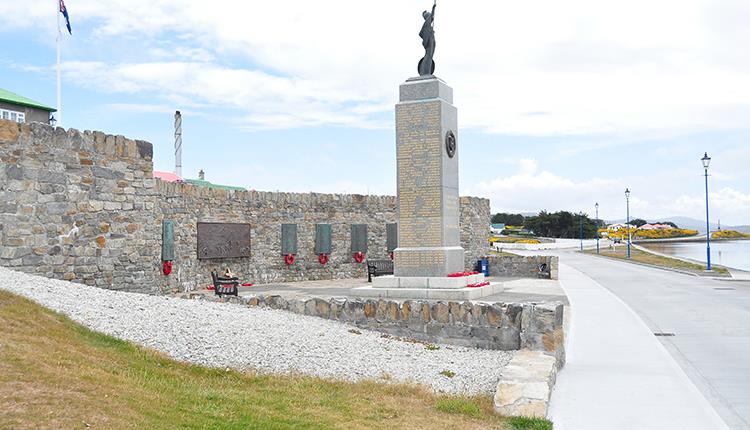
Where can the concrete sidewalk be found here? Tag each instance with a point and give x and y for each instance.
(618, 375)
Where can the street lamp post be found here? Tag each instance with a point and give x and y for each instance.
(581, 232)
(627, 223)
(597, 227)
(706, 161)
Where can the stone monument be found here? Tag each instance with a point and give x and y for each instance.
(429, 238)
(427, 164)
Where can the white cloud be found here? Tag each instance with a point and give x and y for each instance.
(541, 68)
(531, 189)
(258, 99)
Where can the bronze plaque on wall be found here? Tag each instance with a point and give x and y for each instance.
(223, 240)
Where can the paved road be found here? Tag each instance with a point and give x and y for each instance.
(618, 376)
(710, 320)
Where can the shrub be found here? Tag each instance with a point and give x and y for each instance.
(665, 233)
(729, 234)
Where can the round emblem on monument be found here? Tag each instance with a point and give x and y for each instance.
(450, 143)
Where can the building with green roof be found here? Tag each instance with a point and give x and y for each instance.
(204, 183)
(18, 108)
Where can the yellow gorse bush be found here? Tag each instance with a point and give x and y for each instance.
(665, 233)
(729, 234)
(651, 234)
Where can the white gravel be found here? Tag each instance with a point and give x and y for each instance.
(266, 340)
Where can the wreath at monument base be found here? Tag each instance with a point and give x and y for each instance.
(323, 259)
(289, 259)
(359, 257)
(462, 274)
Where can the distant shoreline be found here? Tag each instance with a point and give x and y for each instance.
(688, 239)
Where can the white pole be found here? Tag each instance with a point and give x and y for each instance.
(59, 96)
(178, 144)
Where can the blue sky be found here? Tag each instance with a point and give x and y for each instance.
(557, 110)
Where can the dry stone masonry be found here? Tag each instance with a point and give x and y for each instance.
(498, 326)
(84, 207)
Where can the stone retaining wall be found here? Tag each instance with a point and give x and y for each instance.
(524, 266)
(499, 326)
(84, 206)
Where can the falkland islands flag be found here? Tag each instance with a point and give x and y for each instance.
(64, 11)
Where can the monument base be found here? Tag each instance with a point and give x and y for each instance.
(443, 283)
(425, 293)
(428, 262)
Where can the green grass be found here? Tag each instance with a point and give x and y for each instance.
(55, 373)
(523, 423)
(459, 406)
(621, 252)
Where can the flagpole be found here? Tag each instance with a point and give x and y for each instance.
(59, 97)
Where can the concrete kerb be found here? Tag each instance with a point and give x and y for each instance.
(668, 269)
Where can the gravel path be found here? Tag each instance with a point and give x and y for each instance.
(227, 335)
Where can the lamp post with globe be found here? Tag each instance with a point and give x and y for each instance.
(627, 223)
(706, 162)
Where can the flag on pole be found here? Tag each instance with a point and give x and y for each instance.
(64, 11)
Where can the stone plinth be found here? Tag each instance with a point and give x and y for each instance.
(425, 282)
(428, 214)
(421, 292)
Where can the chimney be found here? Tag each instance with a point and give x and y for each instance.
(178, 143)
(202, 175)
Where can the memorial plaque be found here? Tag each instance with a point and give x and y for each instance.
(288, 239)
(391, 237)
(223, 240)
(322, 239)
(167, 240)
(359, 238)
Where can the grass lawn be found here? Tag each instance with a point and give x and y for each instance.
(639, 256)
(54, 373)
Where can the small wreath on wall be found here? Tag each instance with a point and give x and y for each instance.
(167, 268)
(289, 259)
(323, 259)
(359, 257)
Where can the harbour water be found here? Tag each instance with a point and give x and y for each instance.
(733, 253)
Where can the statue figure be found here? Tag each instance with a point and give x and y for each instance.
(426, 65)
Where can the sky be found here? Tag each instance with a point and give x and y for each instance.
(561, 104)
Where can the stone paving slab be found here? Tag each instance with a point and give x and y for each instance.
(515, 290)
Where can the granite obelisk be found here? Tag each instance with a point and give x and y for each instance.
(427, 164)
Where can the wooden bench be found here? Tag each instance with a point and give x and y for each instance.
(224, 286)
(379, 268)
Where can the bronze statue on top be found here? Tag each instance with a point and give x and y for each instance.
(426, 65)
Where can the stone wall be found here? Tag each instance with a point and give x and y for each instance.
(266, 212)
(499, 326)
(524, 266)
(73, 206)
(83, 206)
(475, 231)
